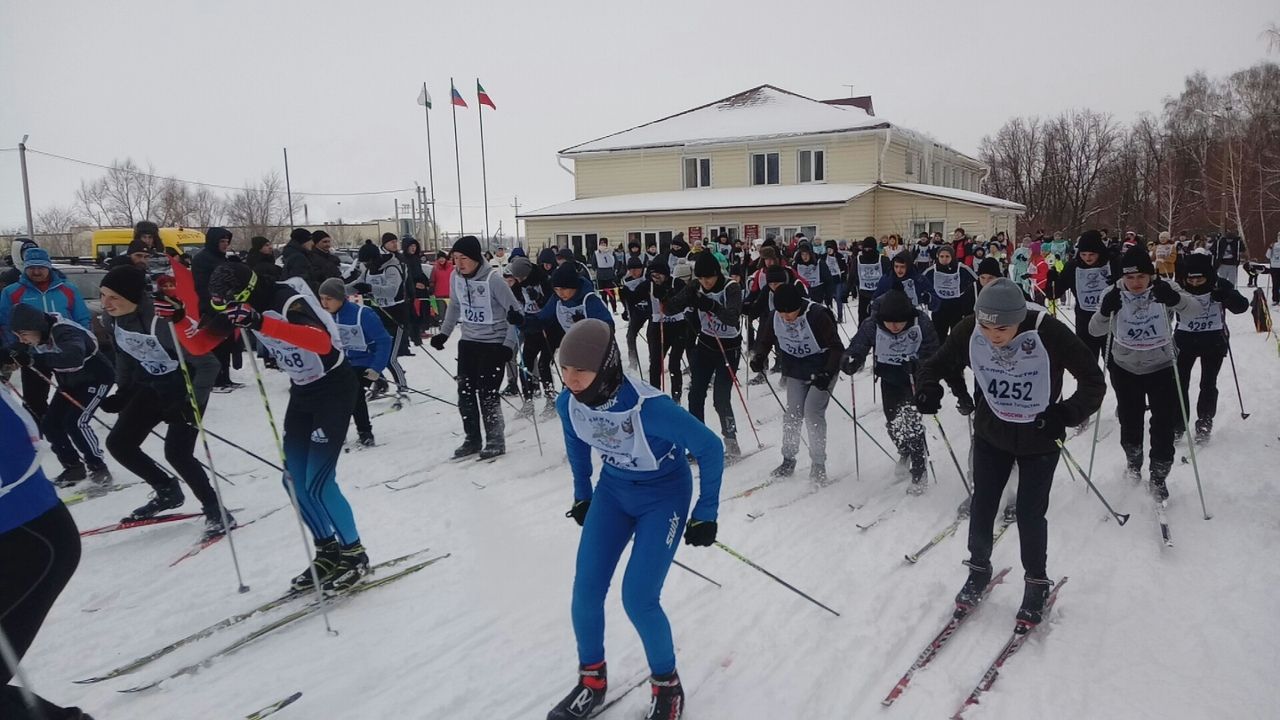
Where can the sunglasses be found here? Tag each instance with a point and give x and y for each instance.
(220, 304)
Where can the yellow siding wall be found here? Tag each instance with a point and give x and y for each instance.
(625, 174)
(831, 222)
(895, 212)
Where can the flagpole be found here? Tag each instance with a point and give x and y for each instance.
(457, 159)
(431, 172)
(484, 174)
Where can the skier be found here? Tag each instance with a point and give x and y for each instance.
(486, 308)
(1018, 357)
(68, 352)
(573, 299)
(1022, 262)
(365, 342)
(899, 335)
(533, 291)
(1166, 256)
(642, 496)
(1273, 258)
(814, 272)
(955, 285)
(289, 321)
(39, 552)
(606, 273)
(666, 334)
(1228, 252)
(809, 349)
(905, 278)
(1202, 335)
(1142, 361)
(718, 304)
(380, 279)
(871, 267)
(1088, 277)
(635, 308)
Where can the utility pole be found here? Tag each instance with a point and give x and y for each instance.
(288, 191)
(516, 204)
(26, 187)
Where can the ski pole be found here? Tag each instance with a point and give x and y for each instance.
(783, 407)
(681, 565)
(204, 440)
(534, 415)
(773, 577)
(864, 430)
(662, 357)
(288, 484)
(853, 406)
(429, 395)
(1226, 331)
(733, 375)
(947, 441)
(10, 658)
(1097, 418)
(1122, 519)
(1186, 423)
(436, 360)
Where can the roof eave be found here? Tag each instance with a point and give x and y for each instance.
(720, 208)
(570, 153)
(1020, 209)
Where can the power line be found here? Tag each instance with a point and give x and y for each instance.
(139, 173)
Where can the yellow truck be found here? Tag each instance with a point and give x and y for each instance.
(112, 242)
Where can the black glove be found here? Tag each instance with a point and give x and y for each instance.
(625, 316)
(659, 291)
(850, 365)
(170, 309)
(1110, 303)
(929, 398)
(1164, 293)
(363, 288)
(113, 403)
(579, 511)
(1051, 423)
(1053, 276)
(21, 355)
(438, 340)
(515, 317)
(704, 303)
(757, 363)
(700, 533)
(243, 316)
(820, 380)
(1219, 294)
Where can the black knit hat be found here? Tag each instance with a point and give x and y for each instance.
(904, 258)
(659, 267)
(565, 276)
(319, 235)
(895, 307)
(388, 236)
(706, 265)
(635, 263)
(258, 242)
(126, 281)
(300, 236)
(1091, 241)
(28, 318)
(868, 243)
(774, 274)
(368, 253)
(468, 246)
(1136, 260)
(990, 266)
(138, 246)
(229, 279)
(1195, 264)
(787, 298)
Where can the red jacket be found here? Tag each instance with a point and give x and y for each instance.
(440, 276)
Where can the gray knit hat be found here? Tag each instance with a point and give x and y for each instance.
(520, 267)
(585, 344)
(334, 288)
(1000, 303)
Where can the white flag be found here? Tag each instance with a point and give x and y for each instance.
(424, 98)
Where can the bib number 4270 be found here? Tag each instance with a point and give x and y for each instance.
(1005, 390)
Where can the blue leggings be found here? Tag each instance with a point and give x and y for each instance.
(314, 430)
(655, 514)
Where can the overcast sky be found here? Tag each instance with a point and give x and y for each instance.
(212, 91)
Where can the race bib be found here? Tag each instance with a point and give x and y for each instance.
(1014, 379)
(869, 275)
(796, 338)
(898, 349)
(351, 337)
(811, 274)
(474, 303)
(946, 284)
(147, 350)
(1091, 285)
(711, 325)
(833, 264)
(1206, 317)
(619, 436)
(569, 315)
(1140, 323)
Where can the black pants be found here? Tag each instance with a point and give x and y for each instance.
(711, 368)
(666, 347)
(393, 319)
(140, 416)
(535, 353)
(360, 409)
(864, 305)
(35, 393)
(903, 422)
(1275, 285)
(1133, 395)
(480, 370)
(944, 318)
(634, 326)
(1094, 342)
(36, 562)
(1210, 364)
(66, 425)
(222, 352)
(315, 427)
(991, 468)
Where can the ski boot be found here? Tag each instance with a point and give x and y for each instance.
(70, 475)
(1204, 428)
(758, 379)
(1133, 457)
(586, 697)
(549, 411)
(470, 447)
(365, 439)
(493, 449)
(919, 479)
(511, 390)
(964, 404)
(526, 409)
(818, 474)
(786, 469)
(731, 450)
(380, 388)
(353, 564)
(328, 557)
(99, 475)
(213, 525)
(971, 594)
(1033, 597)
(1159, 473)
(667, 701)
(1010, 513)
(166, 497)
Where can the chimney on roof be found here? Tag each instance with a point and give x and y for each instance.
(862, 101)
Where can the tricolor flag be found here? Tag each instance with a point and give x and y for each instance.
(484, 96)
(424, 98)
(457, 96)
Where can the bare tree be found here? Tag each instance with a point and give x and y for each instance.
(262, 208)
(55, 228)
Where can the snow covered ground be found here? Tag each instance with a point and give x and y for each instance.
(1141, 631)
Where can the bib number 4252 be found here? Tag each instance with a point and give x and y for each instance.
(1005, 390)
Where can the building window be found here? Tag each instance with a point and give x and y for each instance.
(909, 162)
(660, 238)
(935, 178)
(811, 166)
(764, 169)
(929, 226)
(713, 231)
(783, 233)
(697, 173)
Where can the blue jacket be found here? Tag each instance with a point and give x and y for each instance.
(61, 298)
(25, 492)
(924, 294)
(377, 351)
(669, 430)
(591, 306)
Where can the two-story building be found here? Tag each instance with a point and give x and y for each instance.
(768, 162)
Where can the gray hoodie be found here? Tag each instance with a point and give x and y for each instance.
(463, 292)
(1142, 362)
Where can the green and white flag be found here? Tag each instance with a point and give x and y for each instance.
(424, 98)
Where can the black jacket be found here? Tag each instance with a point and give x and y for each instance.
(1214, 342)
(324, 265)
(205, 262)
(297, 263)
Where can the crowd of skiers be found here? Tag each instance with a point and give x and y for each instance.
(924, 313)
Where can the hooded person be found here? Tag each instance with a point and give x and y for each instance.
(1087, 276)
(534, 292)
(606, 264)
(483, 304)
(152, 388)
(296, 258)
(1136, 314)
(642, 498)
(289, 321)
(635, 306)
(871, 265)
(380, 278)
(419, 286)
(809, 351)
(903, 276)
(677, 250)
(59, 348)
(1201, 334)
(1018, 357)
(717, 305)
(365, 342)
(813, 271)
(217, 243)
(955, 285)
(665, 336)
(573, 299)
